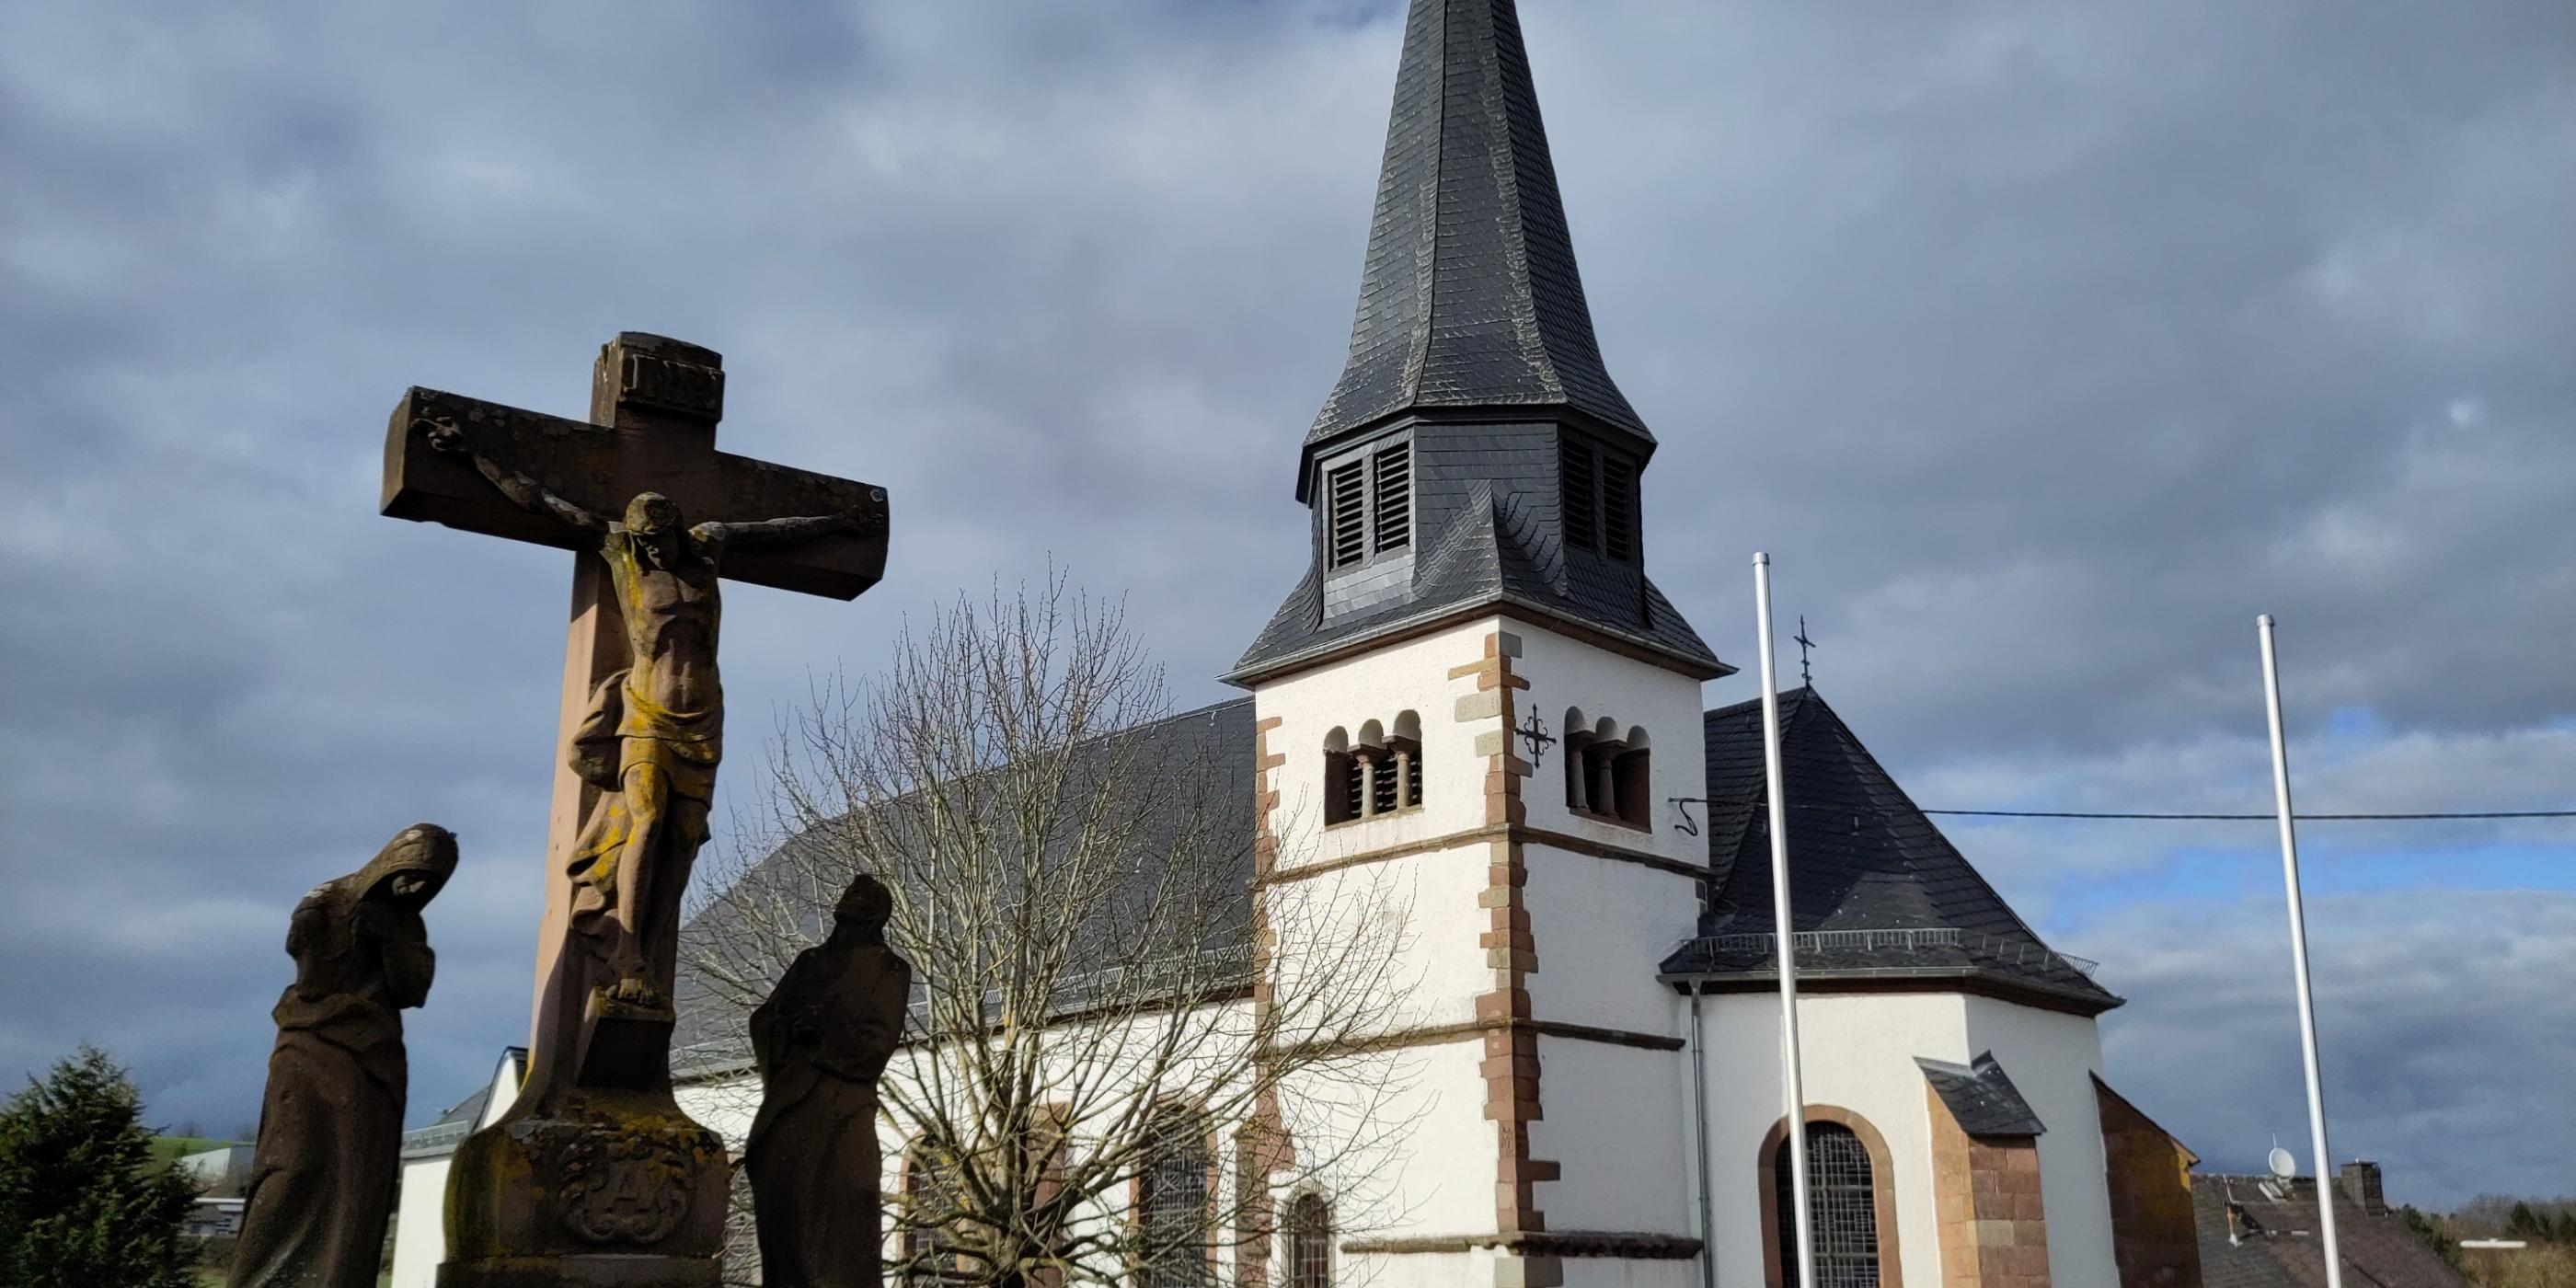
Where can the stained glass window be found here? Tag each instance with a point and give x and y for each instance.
(1842, 1213)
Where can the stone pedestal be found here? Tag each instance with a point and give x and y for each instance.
(604, 1182)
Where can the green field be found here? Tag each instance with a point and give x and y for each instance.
(170, 1149)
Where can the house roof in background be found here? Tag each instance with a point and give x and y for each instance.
(2257, 1232)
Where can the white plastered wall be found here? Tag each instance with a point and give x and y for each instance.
(1442, 968)
(1859, 1054)
(420, 1223)
(1435, 1149)
(420, 1213)
(1600, 926)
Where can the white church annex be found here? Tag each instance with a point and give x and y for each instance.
(1477, 697)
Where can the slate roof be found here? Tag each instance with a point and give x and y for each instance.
(1213, 744)
(470, 1110)
(2256, 1232)
(1486, 542)
(1979, 1095)
(1877, 891)
(438, 1138)
(1470, 296)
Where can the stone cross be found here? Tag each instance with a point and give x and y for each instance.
(656, 514)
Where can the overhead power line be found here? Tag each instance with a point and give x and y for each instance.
(2256, 818)
(1691, 826)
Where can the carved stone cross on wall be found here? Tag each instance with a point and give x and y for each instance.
(594, 1158)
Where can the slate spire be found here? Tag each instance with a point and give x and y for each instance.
(1475, 453)
(1470, 296)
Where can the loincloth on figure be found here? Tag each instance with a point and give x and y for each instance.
(621, 732)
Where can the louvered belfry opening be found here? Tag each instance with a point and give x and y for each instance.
(1341, 787)
(1346, 514)
(1368, 506)
(1374, 774)
(1618, 508)
(1397, 782)
(1597, 499)
(1574, 469)
(1393, 492)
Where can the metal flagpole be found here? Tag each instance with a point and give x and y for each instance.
(1793, 1087)
(2299, 954)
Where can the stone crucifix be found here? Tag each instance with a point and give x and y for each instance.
(655, 516)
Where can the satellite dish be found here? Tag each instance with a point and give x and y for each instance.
(2284, 1164)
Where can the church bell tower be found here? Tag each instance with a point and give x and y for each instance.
(1476, 699)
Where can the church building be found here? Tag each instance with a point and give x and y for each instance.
(1607, 1055)
(1482, 692)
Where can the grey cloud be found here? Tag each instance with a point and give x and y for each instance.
(2042, 344)
(2423, 1005)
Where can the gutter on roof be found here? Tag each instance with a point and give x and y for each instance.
(1976, 980)
(1429, 619)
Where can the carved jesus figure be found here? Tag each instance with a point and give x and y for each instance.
(654, 732)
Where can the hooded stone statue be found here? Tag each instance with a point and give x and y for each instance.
(330, 1126)
(821, 1040)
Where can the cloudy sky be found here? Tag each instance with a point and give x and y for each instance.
(2044, 345)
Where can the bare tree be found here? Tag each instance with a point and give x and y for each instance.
(1125, 1054)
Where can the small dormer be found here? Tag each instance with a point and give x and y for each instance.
(1364, 516)
(1597, 500)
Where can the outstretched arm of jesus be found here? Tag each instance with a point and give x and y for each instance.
(526, 492)
(784, 532)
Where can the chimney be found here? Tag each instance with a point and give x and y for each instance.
(2360, 1182)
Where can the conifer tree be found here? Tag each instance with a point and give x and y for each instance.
(2524, 1223)
(82, 1202)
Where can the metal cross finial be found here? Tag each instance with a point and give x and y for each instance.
(1804, 675)
(1535, 734)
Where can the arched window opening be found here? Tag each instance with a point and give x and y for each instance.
(933, 1213)
(1374, 772)
(1341, 779)
(1603, 786)
(1310, 1242)
(1406, 746)
(1842, 1216)
(1578, 786)
(1632, 782)
(1606, 775)
(1172, 1217)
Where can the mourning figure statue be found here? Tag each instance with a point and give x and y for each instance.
(330, 1127)
(821, 1040)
